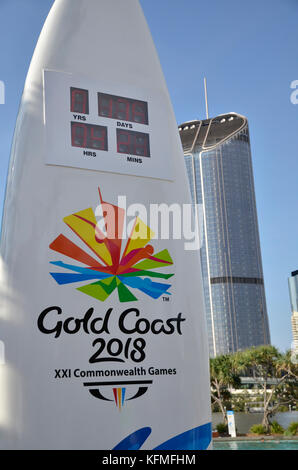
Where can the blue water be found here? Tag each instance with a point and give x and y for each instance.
(256, 445)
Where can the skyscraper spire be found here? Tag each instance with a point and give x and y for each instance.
(206, 98)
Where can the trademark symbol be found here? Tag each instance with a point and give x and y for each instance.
(166, 299)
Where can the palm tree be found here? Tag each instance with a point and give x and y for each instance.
(223, 375)
(274, 374)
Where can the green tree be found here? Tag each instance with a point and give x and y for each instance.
(224, 374)
(275, 375)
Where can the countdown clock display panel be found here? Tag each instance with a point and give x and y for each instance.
(88, 125)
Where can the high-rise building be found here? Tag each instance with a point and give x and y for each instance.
(293, 287)
(219, 167)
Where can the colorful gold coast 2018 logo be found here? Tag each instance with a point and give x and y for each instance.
(112, 267)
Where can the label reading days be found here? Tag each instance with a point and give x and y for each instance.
(93, 126)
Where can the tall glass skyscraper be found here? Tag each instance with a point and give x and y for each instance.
(219, 167)
(293, 288)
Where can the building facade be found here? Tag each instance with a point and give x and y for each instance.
(293, 288)
(219, 167)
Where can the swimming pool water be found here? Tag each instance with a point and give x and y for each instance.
(256, 445)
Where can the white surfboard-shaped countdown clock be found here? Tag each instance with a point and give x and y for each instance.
(102, 322)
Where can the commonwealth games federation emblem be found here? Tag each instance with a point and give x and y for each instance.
(122, 391)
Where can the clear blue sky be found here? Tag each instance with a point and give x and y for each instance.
(249, 53)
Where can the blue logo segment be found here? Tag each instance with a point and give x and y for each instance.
(197, 438)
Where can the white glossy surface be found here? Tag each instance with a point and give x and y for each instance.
(37, 411)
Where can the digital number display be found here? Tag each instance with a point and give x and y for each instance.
(79, 100)
(89, 136)
(125, 109)
(92, 136)
(133, 143)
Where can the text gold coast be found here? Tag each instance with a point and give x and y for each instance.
(110, 348)
(129, 323)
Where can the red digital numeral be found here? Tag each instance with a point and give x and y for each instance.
(79, 101)
(121, 109)
(125, 109)
(97, 138)
(140, 146)
(138, 113)
(133, 143)
(89, 136)
(78, 135)
(105, 106)
(123, 142)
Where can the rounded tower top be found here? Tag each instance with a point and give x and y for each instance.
(208, 133)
